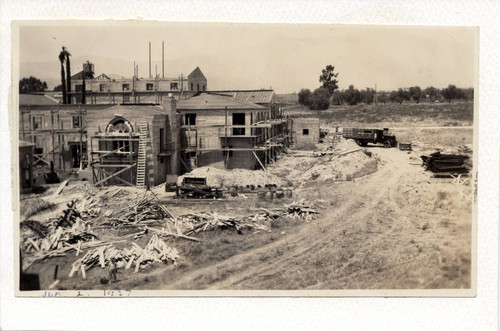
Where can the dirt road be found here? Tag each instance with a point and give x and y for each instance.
(393, 229)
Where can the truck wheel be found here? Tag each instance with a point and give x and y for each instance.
(363, 144)
(387, 144)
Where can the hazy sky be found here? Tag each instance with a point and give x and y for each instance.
(252, 56)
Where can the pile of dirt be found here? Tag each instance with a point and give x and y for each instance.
(234, 177)
(344, 161)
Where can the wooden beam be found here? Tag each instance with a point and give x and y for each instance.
(259, 161)
(40, 158)
(114, 175)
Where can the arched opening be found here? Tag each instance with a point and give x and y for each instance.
(119, 126)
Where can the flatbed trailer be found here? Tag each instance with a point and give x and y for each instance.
(373, 136)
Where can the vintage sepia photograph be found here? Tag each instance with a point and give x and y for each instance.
(217, 159)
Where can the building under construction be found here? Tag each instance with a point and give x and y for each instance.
(140, 144)
(224, 129)
(107, 144)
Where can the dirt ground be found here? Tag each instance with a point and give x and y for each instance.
(383, 224)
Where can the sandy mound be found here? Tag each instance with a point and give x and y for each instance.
(304, 170)
(239, 177)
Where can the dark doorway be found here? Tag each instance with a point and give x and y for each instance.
(76, 154)
(238, 119)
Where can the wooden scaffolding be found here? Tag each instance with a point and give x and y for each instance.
(56, 133)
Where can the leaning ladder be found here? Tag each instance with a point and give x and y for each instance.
(141, 157)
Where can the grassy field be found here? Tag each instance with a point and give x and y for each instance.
(393, 115)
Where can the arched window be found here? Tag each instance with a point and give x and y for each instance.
(121, 127)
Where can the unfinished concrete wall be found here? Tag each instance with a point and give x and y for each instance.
(241, 159)
(306, 132)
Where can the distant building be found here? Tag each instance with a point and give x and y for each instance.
(105, 90)
(305, 132)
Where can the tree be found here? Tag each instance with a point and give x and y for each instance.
(450, 92)
(62, 58)
(399, 96)
(320, 99)
(327, 77)
(304, 97)
(31, 84)
(58, 88)
(468, 94)
(337, 98)
(352, 95)
(432, 92)
(68, 74)
(367, 95)
(382, 97)
(416, 93)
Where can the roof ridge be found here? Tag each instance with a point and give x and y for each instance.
(233, 98)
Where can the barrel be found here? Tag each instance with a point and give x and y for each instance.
(269, 195)
(288, 193)
(262, 195)
(233, 191)
(280, 194)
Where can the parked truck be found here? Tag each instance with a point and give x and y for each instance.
(364, 136)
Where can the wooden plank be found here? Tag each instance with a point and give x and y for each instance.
(59, 189)
(33, 243)
(259, 161)
(82, 269)
(78, 247)
(102, 262)
(174, 234)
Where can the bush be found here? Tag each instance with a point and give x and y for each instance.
(320, 99)
(304, 97)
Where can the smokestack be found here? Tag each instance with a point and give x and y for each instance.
(163, 59)
(149, 59)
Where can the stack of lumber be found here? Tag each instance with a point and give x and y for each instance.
(66, 232)
(446, 163)
(301, 209)
(45, 239)
(146, 211)
(194, 223)
(155, 251)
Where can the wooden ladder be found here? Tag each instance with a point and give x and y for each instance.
(141, 157)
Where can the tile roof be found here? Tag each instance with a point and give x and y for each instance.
(149, 109)
(254, 96)
(216, 101)
(26, 99)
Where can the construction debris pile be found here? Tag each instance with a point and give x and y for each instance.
(72, 230)
(446, 163)
(155, 251)
(146, 211)
(189, 224)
